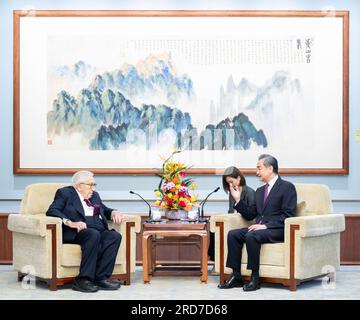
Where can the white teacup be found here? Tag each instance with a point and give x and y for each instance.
(156, 215)
(193, 215)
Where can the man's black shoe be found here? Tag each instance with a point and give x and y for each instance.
(107, 284)
(115, 281)
(253, 285)
(232, 282)
(84, 285)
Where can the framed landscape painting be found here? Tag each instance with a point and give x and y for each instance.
(116, 91)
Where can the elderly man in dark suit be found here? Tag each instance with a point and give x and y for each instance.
(275, 201)
(85, 223)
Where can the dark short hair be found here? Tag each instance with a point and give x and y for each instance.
(232, 172)
(270, 161)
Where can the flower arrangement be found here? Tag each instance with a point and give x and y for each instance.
(173, 189)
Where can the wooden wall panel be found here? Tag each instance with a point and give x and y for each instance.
(5, 240)
(350, 240)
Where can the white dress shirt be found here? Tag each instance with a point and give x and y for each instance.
(89, 211)
(271, 183)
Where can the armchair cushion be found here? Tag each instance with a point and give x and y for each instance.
(71, 255)
(272, 254)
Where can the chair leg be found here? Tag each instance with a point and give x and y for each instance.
(53, 285)
(332, 277)
(292, 285)
(20, 276)
(127, 280)
(53, 280)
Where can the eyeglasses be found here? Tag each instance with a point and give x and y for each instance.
(91, 185)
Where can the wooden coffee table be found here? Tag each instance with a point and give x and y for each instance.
(178, 229)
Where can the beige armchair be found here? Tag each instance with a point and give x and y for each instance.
(311, 247)
(37, 241)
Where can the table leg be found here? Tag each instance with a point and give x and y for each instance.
(153, 255)
(150, 255)
(204, 258)
(145, 257)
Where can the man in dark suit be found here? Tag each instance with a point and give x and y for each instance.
(275, 201)
(85, 223)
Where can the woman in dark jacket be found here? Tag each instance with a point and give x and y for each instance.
(233, 177)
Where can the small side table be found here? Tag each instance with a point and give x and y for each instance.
(168, 228)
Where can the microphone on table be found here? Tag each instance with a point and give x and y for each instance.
(201, 217)
(149, 218)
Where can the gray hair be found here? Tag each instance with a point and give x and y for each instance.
(80, 177)
(269, 160)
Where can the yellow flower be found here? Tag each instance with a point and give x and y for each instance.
(169, 195)
(193, 185)
(192, 199)
(157, 202)
(158, 193)
(178, 186)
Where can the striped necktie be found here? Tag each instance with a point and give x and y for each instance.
(95, 206)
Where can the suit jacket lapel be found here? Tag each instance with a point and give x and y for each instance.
(273, 190)
(76, 202)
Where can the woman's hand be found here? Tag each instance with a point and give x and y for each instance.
(236, 192)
